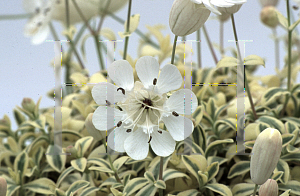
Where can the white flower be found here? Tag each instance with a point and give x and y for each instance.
(136, 109)
(209, 4)
(37, 27)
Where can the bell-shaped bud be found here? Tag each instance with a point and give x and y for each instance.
(266, 153)
(28, 104)
(3, 186)
(269, 188)
(230, 10)
(187, 17)
(265, 3)
(268, 16)
(95, 133)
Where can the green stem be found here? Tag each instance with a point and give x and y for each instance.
(137, 31)
(100, 58)
(210, 45)
(255, 188)
(199, 48)
(127, 30)
(103, 17)
(276, 49)
(239, 56)
(222, 38)
(83, 18)
(111, 163)
(67, 14)
(289, 45)
(161, 170)
(14, 16)
(174, 49)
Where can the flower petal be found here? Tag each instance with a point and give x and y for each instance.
(169, 79)
(41, 35)
(116, 139)
(209, 6)
(147, 69)
(136, 145)
(31, 5)
(121, 73)
(106, 91)
(219, 3)
(197, 1)
(105, 118)
(179, 127)
(162, 143)
(179, 99)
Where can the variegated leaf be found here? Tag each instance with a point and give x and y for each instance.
(160, 184)
(239, 168)
(63, 175)
(21, 163)
(119, 162)
(84, 144)
(219, 188)
(243, 189)
(41, 185)
(148, 190)
(79, 164)
(293, 185)
(212, 146)
(134, 185)
(284, 167)
(55, 159)
(76, 186)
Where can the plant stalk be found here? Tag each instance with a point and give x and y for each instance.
(199, 49)
(161, 170)
(127, 30)
(239, 56)
(174, 49)
(255, 188)
(213, 53)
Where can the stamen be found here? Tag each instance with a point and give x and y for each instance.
(159, 132)
(151, 106)
(154, 81)
(119, 124)
(39, 24)
(150, 139)
(137, 119)
(37, 10)
(108, 103)
(46, 10)
(175, 113)
(128, 130)
(122, 89)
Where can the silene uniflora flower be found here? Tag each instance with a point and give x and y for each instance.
(226, 5)
(269, 188)
(135, 109)
(37, 27)
(266, 153)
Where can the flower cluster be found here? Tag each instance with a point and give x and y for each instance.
(135, 109)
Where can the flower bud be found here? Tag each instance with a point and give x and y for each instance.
(265, 3)
(3, 186)
(266, 153)
(268, 16)
(28, 104)
(230, 10)
(95, 133)
(71, 149)
(269, 188)
(186, 17)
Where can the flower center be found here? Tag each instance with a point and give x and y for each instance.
(146, 103)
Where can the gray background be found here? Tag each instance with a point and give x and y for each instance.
(26, 70)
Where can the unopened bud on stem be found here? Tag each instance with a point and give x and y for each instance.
(269, 188)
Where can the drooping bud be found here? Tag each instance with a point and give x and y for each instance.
(28, 104)
(3, 186)
(269, 188)
(266, 153)
(187, 17)
(268, 16)
(230, 10)
(265, 3)
(95, 133)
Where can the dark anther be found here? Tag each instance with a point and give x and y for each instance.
(159, 132)
(58, 1)
(175, 113)
(128, 130)
(108, 103)
(39, 24)
(119, 124)
(37, 10)
(146, 103)
(150, 139)
(154, 81)
(295, 7)
(123, 91)
(118, 107)
(46, 10)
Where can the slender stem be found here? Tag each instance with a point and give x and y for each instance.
(14, 16)
(67, 14)
(222, 38)
(255, 188)
(103, 17)
(276, 49)
(100, 58)
(199, 48)
(137, 31)
(240, 60)
(127, 30)
(174, 49)
(111, 163)
(75, 41)
(161, 170)
(210, 45)
(289, 45)
(83, 18)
